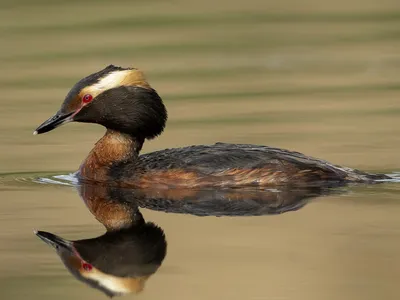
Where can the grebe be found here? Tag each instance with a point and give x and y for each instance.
(120, 261)
(122, 100)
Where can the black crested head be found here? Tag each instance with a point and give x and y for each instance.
(117, 98)
(134, 110)
(96, 77)
(90, 81)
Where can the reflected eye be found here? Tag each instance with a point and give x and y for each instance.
(87, 267)
(87, 98)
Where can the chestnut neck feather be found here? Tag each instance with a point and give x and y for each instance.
(113, 147)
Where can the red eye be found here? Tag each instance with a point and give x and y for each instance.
(87, 267)
(87, 98)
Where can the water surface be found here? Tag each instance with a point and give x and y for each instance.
(319, 78)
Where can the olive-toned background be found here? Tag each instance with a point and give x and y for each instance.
(319, 77)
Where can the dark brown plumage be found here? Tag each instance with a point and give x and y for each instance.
(132, 111)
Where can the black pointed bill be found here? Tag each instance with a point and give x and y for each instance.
(54, 122)
(54, 241)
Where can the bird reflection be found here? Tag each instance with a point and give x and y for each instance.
(211, 202)
(121, 260)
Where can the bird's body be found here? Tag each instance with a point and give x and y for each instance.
(121, 100)
(225, 164)
(218, 165)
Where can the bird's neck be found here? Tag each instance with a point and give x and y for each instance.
(110, 206)
(113, 148)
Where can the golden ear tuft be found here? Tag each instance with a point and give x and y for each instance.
(129, 77)
(135, 77)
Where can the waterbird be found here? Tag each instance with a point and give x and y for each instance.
(123, 259)
(120, 261)
(122, 100)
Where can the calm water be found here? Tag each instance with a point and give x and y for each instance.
(319, 78)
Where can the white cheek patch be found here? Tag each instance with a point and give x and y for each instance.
(110, 81)
(131, 77)
(110, 282)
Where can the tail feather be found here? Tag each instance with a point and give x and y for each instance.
(392, 177)
(359, 176)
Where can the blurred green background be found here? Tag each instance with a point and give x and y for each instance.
(319, 77)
